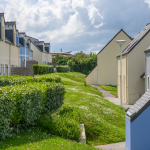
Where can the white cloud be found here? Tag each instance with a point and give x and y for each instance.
(94, 14)
(99, 25)
(148, 2)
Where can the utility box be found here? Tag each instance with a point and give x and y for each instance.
(137, 119)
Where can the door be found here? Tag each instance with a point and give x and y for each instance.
(95, 76)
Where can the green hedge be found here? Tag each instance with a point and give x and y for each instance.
(62, 68)
(22, 105)
(42, 69)
(12, 80)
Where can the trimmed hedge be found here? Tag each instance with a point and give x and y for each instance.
(42, 69)
(22, 105)
(13, 80)
(62, 68)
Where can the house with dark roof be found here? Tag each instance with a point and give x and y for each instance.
(41, 51)
(23, 44)
(133, 66)
(105, 73)
(9, 48)
(138, 123)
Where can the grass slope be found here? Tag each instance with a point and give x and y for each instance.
(34, 139)
(104, 121)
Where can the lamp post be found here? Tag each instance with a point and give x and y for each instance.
(121, 42)
(26, 39)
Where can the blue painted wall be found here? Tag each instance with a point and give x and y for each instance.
(138, 132)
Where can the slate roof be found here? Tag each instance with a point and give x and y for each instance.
(113, 38)
(10, 25)
(139, 106)
(8, 41)
(39, 42)
(22, 34)
(32, 40)
(136, 40)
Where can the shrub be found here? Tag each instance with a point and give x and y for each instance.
(62, 68)
(43, 69)
(36, 68)
(13, 80)
(23, 104)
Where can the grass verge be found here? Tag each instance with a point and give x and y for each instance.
(34, 139)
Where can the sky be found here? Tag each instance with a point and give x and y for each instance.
(77, 25)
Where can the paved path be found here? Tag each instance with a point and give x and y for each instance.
(115, 146)
(111, 98)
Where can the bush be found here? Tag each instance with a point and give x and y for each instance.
(62, 68)
(36, 68)
(43, 69)
(23, 104)
(13, 80)
(66, 126)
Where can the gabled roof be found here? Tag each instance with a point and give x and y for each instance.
(114, 37)
(139, 106)
(136, 40)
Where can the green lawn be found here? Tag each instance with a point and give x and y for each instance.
(104, 121)
(34, 139)
(112, 89)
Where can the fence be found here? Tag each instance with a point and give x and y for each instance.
(29, 63)
(25, 71)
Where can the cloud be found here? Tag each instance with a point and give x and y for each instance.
(77, 25)
(148, 2)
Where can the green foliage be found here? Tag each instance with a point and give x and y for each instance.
(13, 80)
(64, 123)
(62, 60)
(22, 105)
(43, 69)
(62, 68)
(36, 68)
(34, 139)
(82, 63)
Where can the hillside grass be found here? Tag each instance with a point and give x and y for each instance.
(103, 120)
(34, 139)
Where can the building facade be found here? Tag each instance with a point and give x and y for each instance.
(133, 66)
(105, 73)
(9, 48)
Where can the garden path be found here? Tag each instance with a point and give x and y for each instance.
(116, 101)
(115, 146)
(111, 98)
